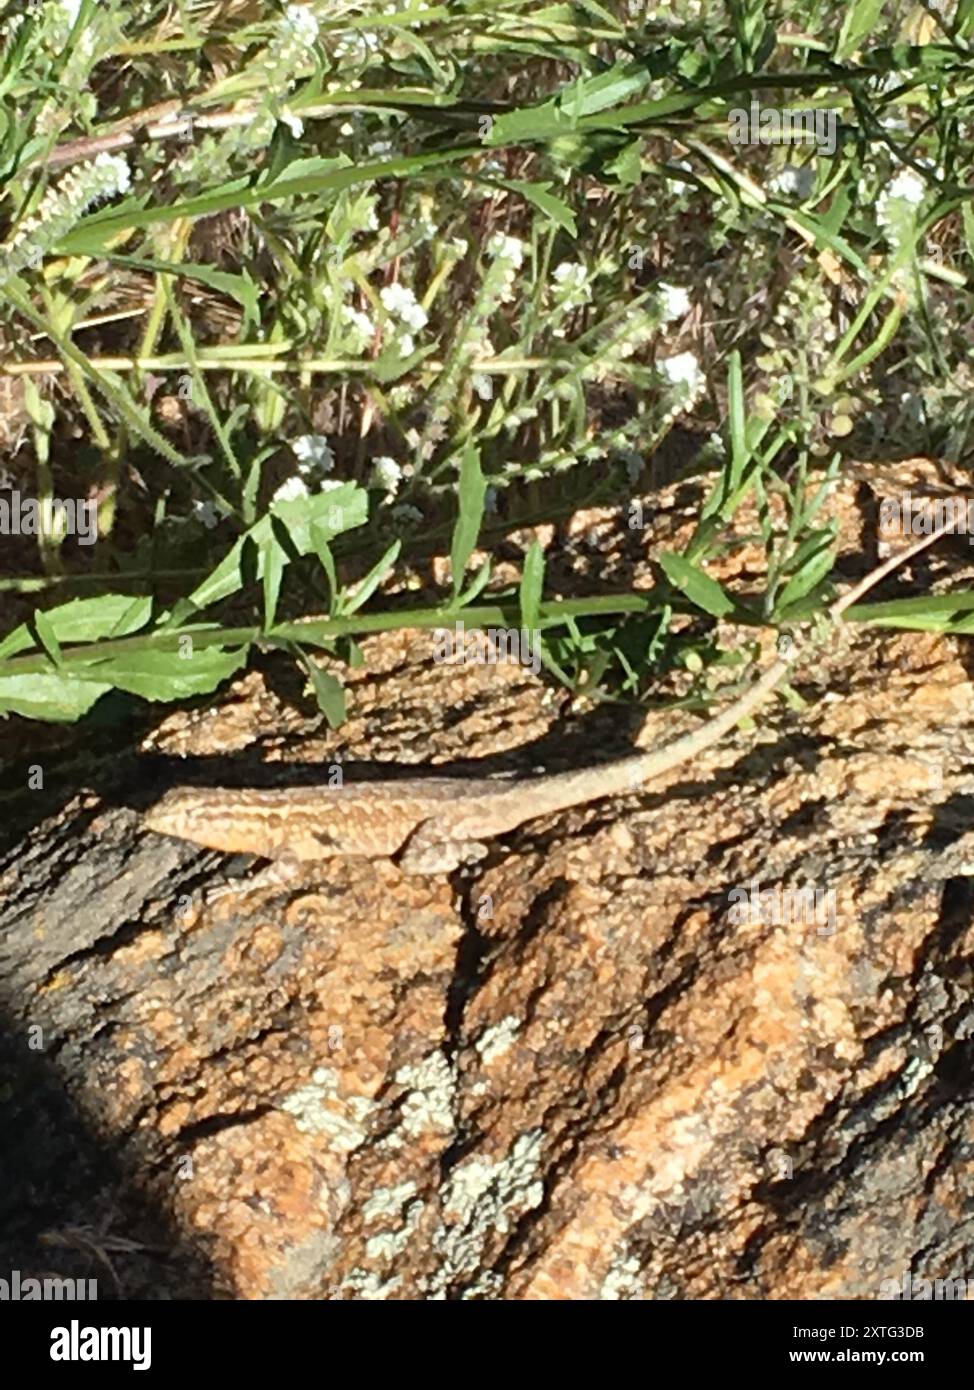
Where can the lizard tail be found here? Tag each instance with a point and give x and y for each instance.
(562, 790)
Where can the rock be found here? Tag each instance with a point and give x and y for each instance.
(627, 1057)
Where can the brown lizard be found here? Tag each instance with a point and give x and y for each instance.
(433, 824)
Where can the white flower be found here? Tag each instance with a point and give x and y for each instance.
(897, 204)
(312, 451)
(386, 474)
(570, 274)
(361, 328)
(907, 186)
(676, 302)
(502, 247)
(301, 22)
(296, 32)
(400, 301)
(683, 369)
(356, 45)
(794, 179)
(572, 290)
(290, 490)
(114, 174)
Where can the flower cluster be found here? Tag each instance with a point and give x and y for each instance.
(356, 45)
(804, 315)
(507, 254)
(313, 453)
(61, 207)
(572, 290)
(386, 474)
(290, 46)
(406, 315)
(636, 329)
(358, 331)
(896, 208)
(213, 156)
(683, 370)
(793, 181)
(676, 302)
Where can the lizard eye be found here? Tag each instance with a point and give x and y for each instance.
(785, 644)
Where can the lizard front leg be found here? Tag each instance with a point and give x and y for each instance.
(430, 850)
(283, 871)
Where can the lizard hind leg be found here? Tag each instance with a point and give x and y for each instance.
(429, 850)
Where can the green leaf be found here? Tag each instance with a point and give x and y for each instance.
(328, 691)
(605, 19)
(476, 585)
(47, 637)
(241, 287)
(472, 491)
(699, 588)
(967, 212)
(737, 478)
(321, 548)
(367, 587)
(860, 20)
(737, 419)
(309, 520)
(159, 675)
(95, 230)
(50, 696)
(390, 365)
(327, 514)
(272, 571)
(814, 559)
(928, 613)
(553, 208)
(627, 166)
(85, 620)
(532, 582)
(825, 238)
(607, 89)
(529, 123)
(964, 19)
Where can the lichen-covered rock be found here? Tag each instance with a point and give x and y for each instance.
(629, 1056)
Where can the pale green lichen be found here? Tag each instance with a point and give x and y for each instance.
(494, 1042)
(318, 1108)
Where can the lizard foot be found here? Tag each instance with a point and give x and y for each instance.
(281, 872)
